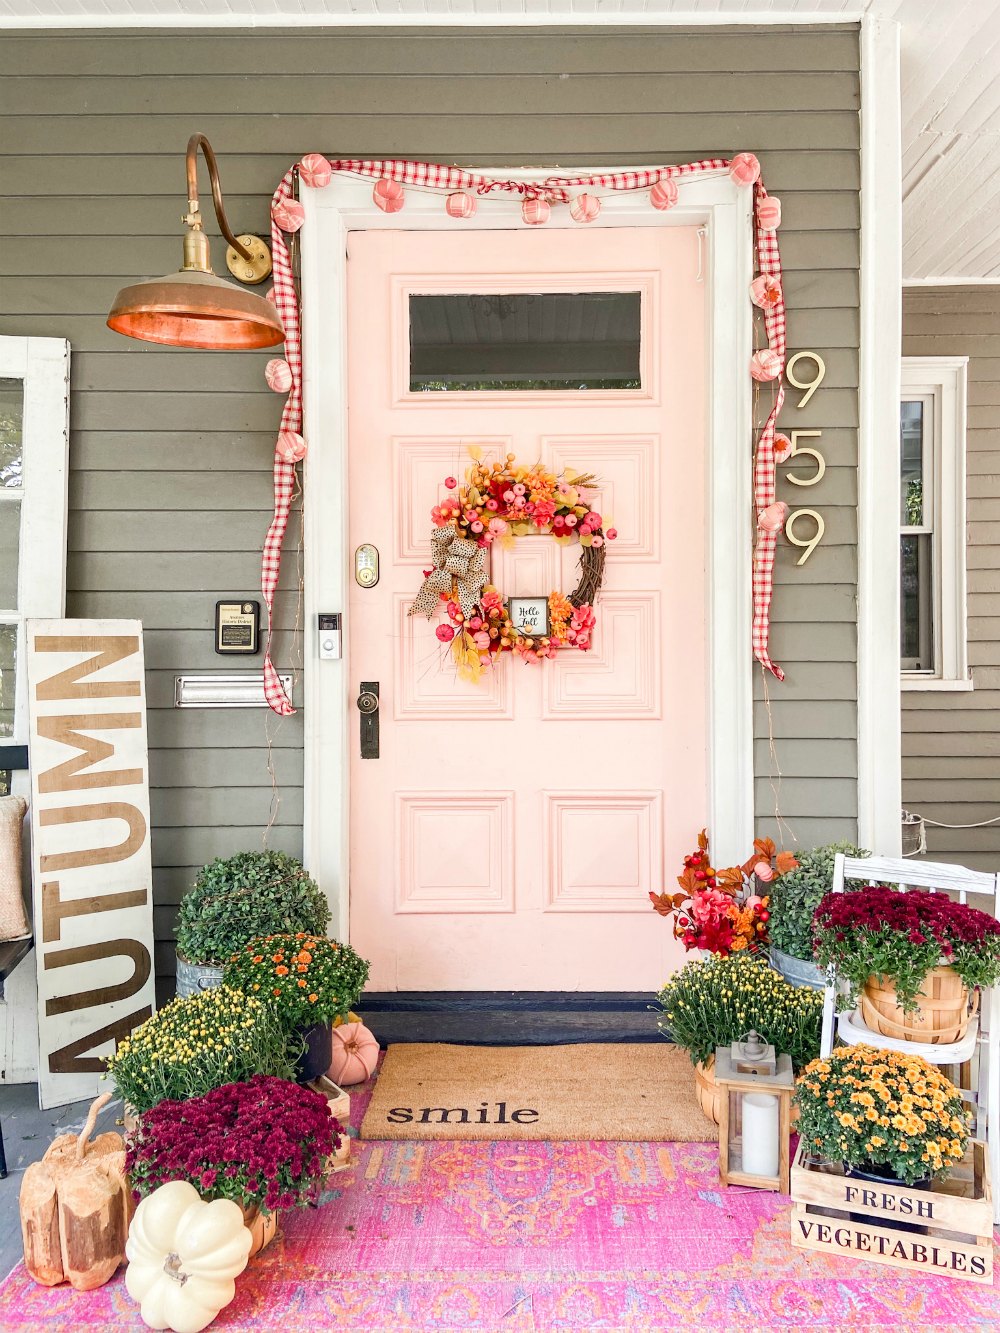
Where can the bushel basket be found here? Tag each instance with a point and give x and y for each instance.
(942, 1016)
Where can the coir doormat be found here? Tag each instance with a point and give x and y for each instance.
(637, 1093)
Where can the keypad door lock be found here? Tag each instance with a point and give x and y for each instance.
(368, 702)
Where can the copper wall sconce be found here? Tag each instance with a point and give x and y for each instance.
(193, 307)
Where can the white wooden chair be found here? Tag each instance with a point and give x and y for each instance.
(978, 1052)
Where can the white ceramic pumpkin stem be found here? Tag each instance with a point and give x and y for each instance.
(96, 1107)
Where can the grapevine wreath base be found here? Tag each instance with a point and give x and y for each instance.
(498, 502)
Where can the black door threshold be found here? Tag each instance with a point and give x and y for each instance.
(510, 1018)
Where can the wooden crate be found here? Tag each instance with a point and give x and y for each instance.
(339, 1104)
(957, 1215)
(338, 1101)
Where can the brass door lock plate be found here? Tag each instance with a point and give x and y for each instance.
(366, 565)
(259, 266)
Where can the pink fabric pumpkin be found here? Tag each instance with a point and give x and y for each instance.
(315, 170)
(663, 195)
(355, 1054)
(535, 211)
(772, 519)
(769, 213)
(585, 207)
(782, 448)
(765, 291)
(744, 169)
(388, 195)
(461, 204)
(291, 447)
(278, 374)
(765, 364)
(288, 214)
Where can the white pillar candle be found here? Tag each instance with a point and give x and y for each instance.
(760, 1134)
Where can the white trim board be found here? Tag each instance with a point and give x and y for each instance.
(711, 201)
(879, 743)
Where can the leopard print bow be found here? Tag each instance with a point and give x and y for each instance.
(458, 563)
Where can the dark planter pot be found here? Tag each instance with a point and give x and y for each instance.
(318, 1054)
(879, 1176)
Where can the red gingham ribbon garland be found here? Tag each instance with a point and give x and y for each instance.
(768, 263)
(554, 189)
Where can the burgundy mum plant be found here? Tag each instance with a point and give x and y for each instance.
(262, 1143)
(900, 937)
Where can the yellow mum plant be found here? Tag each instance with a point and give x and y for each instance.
(195, 1044)
(870, 1108)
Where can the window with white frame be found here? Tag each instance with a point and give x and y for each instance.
(933, 637)
(34, 436)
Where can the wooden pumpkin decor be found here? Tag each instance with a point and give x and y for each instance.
(75, 1208)
(355, 1054)
(183, 1257)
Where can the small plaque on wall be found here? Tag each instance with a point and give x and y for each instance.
(530, 616)
(237, 628)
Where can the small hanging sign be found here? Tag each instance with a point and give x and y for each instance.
(530, 616)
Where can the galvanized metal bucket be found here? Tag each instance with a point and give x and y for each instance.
(798, 971)
(195, 977)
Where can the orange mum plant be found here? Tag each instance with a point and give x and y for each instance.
(305, 978)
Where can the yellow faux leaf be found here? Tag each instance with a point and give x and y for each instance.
(507, 540)
(475, 452)
(522, 529)
(586, 539)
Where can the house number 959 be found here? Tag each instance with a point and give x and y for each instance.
(809, 385)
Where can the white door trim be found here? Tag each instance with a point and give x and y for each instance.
(724, 210)
(879, 742)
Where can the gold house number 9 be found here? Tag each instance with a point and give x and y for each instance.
(809, 386)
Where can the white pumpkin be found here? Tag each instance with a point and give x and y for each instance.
(184, 1255)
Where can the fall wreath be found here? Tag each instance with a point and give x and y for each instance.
(498, 502)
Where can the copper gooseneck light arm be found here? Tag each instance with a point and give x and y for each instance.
(196, 250)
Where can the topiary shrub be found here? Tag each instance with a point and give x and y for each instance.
(251, 893)
(796, 895)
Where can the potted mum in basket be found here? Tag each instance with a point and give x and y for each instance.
(715, 1001)
(309, 982)
(264, 1144)
(885, 1115)
(232, 901)
(911, 958)
(197, 1043)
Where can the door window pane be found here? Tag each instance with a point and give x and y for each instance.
(911, 431)
(11, 427)
(8, 654)
(528, 340)
(916, 625)
(10, 530)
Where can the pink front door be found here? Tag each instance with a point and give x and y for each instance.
(509, 832)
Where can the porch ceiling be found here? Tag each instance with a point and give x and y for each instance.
(950, 95)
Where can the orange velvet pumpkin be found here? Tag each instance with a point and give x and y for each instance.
(355, 1054)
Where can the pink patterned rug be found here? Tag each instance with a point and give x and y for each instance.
(525, 1237)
